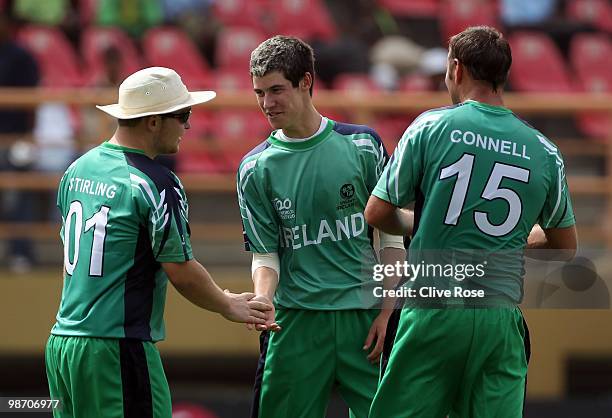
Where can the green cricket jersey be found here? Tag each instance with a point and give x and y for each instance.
(122, 215)
(480, 178)
(305, 201)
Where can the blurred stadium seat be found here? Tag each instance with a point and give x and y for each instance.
(233, 79)
(234, 46)
(597, 12)
(390, 129)
(171, 47)
(414, 8)
(415, 82)
(237, 132)
(456, 15)
(246, 13)
(306, 19)
(591, 59)
(96, 40)
(54, 54)
(537, 64)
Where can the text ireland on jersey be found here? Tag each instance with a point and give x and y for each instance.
(501, 146)
(303, 235)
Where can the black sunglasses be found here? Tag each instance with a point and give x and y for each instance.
(182, 117)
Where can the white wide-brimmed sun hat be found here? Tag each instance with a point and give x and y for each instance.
(154, 91)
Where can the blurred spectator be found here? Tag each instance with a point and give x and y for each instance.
(111, 76)
(527, 12)
(17, 69)
(94, 124)
(133, 16)
(197, 19)
(347, 54)
(433, 66)
(55, 150)
(47, 12)
(60, 13)
(393, 57)
(544, 16)
(176, 9)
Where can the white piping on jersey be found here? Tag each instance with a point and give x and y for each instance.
(140, 184)
(366, 144)
(554, 212)
(418, 125)
(183, 208)
(244, 169)
(280, 135)
(550, 149)
(242, 202)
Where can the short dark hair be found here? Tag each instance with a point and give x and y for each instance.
(484, 52)
(129, 123)
(289, 55)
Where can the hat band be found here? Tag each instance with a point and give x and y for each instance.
(158, 108)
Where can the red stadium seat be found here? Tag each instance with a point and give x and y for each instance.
(416, 82)
(234, 47)
(305, 19)
(199, 152)
(456, 15)
(390, 129)
(171, 47)
(414, 8)
(597, 12)
(537, 65)
(54, 54)
(233, 80)
(591, 58)
(95, 40)
(246, 13)
(237, 132)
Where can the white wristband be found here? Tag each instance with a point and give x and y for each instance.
(391, 241)
(269, 260)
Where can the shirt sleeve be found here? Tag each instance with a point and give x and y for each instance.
(165, 210)
(260, 224)
(401, 176)
(557, 211)
(377, 162)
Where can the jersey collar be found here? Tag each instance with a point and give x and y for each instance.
(315, 140)
(116, 147)
(486, 106)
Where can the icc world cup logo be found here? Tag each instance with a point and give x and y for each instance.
(347, 191)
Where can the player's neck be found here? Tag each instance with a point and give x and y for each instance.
(306, 125)
(483, 94)
(124, 139)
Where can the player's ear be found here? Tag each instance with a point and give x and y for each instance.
(153, 123)
(306, 81)
(457, 71)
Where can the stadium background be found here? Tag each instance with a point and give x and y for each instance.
(379, 62)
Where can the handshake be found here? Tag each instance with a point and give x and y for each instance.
(256, 311)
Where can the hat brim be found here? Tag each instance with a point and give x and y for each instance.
(195, 98)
